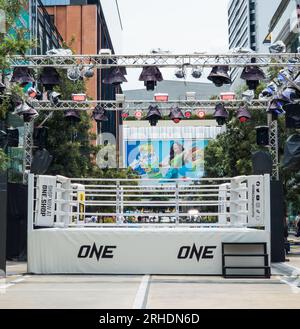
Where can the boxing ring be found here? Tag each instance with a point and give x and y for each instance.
(128, 226)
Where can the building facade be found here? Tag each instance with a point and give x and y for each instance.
(248, 25)
(284, 25)
(88, 26)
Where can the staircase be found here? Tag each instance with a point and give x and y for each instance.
(245, 260)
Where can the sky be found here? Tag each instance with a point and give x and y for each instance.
(179, 26)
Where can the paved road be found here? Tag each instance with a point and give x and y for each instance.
(19, 290)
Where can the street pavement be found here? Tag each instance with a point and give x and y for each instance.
(20, 290)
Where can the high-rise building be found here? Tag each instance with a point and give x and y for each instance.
(285, 24)
(248, 25)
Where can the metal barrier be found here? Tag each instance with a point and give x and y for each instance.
(56, 201)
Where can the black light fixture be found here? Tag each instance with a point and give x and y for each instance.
(99, 114)
(253, 75)
(196, 73)
(276, 106)
(153, 115)
(72, 116)
(221, 115)
(262, 135)
(28, 112)
(290, 94)
(269, 91)
(243, 114)
(180, 73)
(150, 75)
(219, 75)
(54, 97)
(34, 93)
(49, 78)
(88, 71)
(176, 114)
(292, 116)
(116, 76)
(22, 76)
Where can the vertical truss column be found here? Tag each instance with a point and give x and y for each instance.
(28, 145)
(273, 144)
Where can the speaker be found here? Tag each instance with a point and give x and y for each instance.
(262, 135)
(13, 137)
(292, 116)
(41, 162)
(262, 163)
(40, 137)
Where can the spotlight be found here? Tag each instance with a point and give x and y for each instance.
(73, 73)
(72, 116)
(180, 74)
(99, 114)
(290, 94)
(116, 76)
(79, 97)
(87, 72)
(188, 114)
(125, 114)
(176, 114)
(201, 114)
(54, 97)
(150, 75)
(22, 76)
(28, 112)
(276, 107)
(277, 47)
(196, 73)
(269, 91)
(138, 114)
(219, 75)
(49, 78)
(153, 115)
(34, 94)
(252, 75)
(220, 114)
(243, 115)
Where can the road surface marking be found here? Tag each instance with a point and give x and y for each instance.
(142, 293)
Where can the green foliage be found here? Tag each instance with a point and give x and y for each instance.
(3, 160)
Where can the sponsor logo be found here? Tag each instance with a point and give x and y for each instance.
(101, 252)
(191, 252)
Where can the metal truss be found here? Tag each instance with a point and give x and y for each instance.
(161, 60)
(28, 145)
(132, 105)
(273, 145)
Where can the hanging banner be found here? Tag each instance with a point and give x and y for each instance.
(46, 189)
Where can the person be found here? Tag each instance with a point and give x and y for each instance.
(298, 225)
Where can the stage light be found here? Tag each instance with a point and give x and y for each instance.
(34, 94)
(196, 73)
(221, 115)
(124, 114)
(72, 115)
(269, 91)
(99, 114)
(180, 73)
(54, 97)
(22, 76)
(150, 75)
(252, 75)
(176, 114)
(49, 78)
(153, 115)
(201, 114)
(116, 76)
(188, 114)
(243, 114)
(290, 94)
(262, 135)
(73, 73)
(219, 75)
(87, 72)
(227, 96)
(28, 112)
(276, 107)
(138, 114)
(277, 48)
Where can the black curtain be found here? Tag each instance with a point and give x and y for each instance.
(16, 244)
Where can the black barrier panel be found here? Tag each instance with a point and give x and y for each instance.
(277, 222)
(3, 198)
(17, 222)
